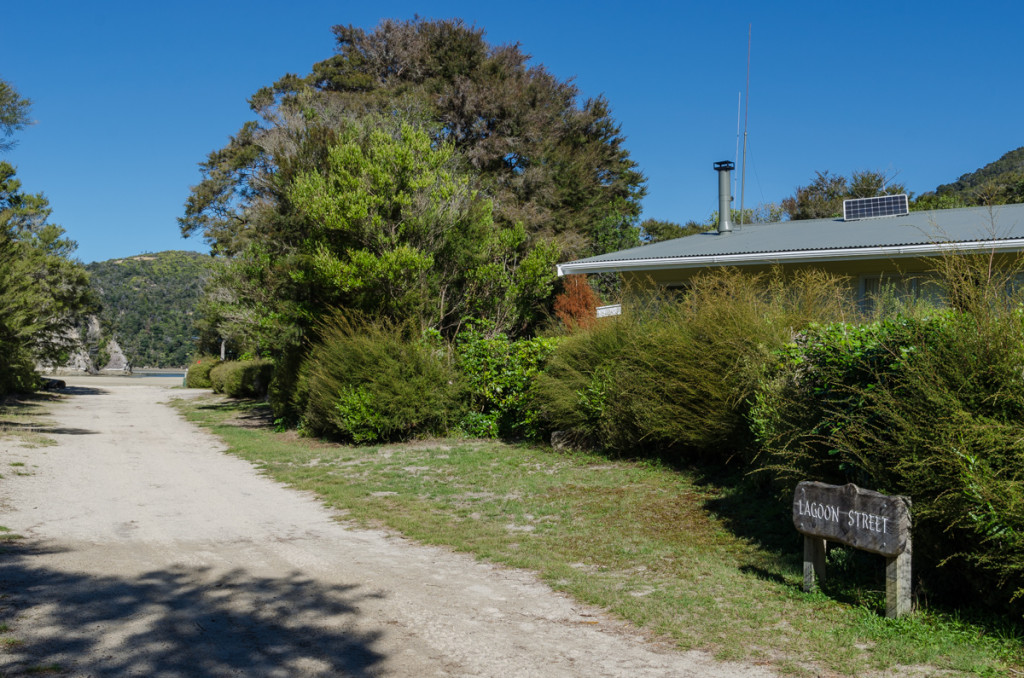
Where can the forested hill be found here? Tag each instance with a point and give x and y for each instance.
(1001, 181)
(148, 304)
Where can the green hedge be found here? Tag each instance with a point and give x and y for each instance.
(242, 379)
(198, 375)
(931, 408)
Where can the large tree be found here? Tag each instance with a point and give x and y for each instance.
(418, 174)
(547, 159)
(385, 224)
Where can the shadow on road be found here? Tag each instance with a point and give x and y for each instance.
(83, 390)
(44, 429)
(180, 622)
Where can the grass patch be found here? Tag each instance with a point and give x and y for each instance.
(7, 535)
(23, 419)
(690, 558)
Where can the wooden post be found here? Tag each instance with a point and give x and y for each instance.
(814, 561)
(898, 584)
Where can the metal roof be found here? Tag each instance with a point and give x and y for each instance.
(914, 234)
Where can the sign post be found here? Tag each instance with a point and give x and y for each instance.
(860, 518)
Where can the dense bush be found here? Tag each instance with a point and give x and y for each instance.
(198, 374)
(930, 407)
(377, 381)
(679, 373)
(242, 378)
(498, 373)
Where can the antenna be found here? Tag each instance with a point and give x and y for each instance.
(746, 117)
(739, 108)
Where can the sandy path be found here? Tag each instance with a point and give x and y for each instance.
(149, 552)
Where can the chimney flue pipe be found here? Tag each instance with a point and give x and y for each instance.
(724, 169)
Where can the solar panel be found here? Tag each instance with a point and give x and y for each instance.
(872, 208)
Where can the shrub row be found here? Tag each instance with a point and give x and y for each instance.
(678, 374)
(198, 374)
(241, 378)
(377, 381)
(777, 377)
(236, 378)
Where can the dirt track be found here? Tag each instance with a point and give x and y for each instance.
(149, 552)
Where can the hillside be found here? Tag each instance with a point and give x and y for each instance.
(148, 304)
(998, 182)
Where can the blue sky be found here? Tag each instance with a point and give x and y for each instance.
(129, 97)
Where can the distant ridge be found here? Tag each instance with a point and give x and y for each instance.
(1001, 178)
(148, 305)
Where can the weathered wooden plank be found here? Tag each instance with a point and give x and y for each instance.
(854, 516)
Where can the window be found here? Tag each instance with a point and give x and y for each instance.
(917, 287)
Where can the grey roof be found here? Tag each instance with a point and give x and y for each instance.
(914, 234)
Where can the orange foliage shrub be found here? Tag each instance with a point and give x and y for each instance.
(576, 306)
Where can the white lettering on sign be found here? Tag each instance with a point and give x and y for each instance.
(819, 511)
(857, 519)
(869, 521)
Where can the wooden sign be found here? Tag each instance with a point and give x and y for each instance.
(862, 519)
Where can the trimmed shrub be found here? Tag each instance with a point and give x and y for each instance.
(198, 375)
(378, 381)
(498, 373)
(680, 373)
(242, 378)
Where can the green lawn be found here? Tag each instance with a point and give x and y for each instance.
(704, 562)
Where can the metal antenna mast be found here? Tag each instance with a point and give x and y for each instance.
(746, 117)
(739, 116)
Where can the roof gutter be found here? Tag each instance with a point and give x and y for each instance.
(796, 256)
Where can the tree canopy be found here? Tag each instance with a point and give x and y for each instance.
(148, 304)
(14, 114)
(546, 159)
(823, 197)
(43, 292)
(999, 182)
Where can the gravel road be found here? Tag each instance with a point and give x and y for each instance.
(150, 552)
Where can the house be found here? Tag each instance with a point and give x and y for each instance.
(866, 251)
